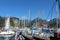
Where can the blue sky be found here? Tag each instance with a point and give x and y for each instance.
(19, 8)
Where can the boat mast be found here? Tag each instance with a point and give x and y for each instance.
(38, 18)
(36, 21)
(43, 16)
(57, 12)
(22, 22)
(30, 16)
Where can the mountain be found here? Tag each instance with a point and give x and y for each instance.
(2, 21)
(37, 21)
(53, 22)
(12, 21)
(24, 23)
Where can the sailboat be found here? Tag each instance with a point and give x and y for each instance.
(7, 32)
(57, 13)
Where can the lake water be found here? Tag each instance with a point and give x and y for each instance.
(4, 38)
(1, 38)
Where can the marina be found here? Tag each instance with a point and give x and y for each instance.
(31, 30)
